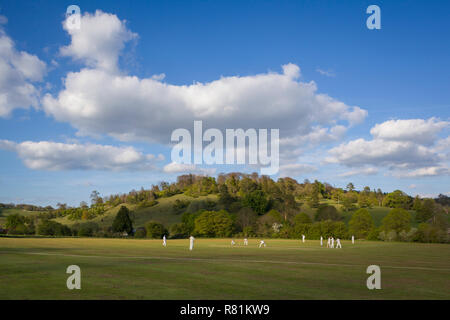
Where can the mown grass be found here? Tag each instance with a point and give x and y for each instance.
(285, 269)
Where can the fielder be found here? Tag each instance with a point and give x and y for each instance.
(232, 242)
(262, 243)
(245, 242)
(321, 241)
(191, 242)
(329, 242)
(332, 242)
(303, 238)
(338, 243)
(353, 239)
(164, 241)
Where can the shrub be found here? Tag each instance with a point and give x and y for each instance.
(52, 228)
(140, 233)
(155, 230)
(302, 218)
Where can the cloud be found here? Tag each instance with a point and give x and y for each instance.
(54, 156)
(296, 169)
(359, 172)
(410, 148)
(98, 41)
(98, 101)
(18, 71)
(326, 73)
(183, 168)
(414, 130)
(425, 172)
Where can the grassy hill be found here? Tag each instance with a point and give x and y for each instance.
(6, 212)
(164, 212)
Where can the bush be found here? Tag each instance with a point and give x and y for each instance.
(87, 229)
(140, 233)
(398, 220)
(179, 231)
(52, 228)
(155, 230)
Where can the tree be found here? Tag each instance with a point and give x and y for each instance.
(155, 230)
(327, 213)
(246, 217)
(214, 224)
(122, 222)
(179, 231)
(397, 199)
(302, 218)
(426, 211)
(350, 187)
(361, 223)
(397, 219)
(257, 201)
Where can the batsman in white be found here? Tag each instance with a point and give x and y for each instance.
(245, 241)
(321, 241)
(338, 243)
(191, 242)
(303, 238)
(262, 243)
(164, 241)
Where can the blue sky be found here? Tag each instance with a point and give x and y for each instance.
(399, 75)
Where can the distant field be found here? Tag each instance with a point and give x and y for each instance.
(6, 212)
(285, 269)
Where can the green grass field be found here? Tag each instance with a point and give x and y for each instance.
(285, 269)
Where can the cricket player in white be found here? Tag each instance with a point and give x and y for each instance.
(332, 242)
(262, 243)
(232, 242)
(164, 241)
(338, 243)
(329, 242)
(321, 241)
(191, 242)
(303, 238)
(245, 241)
(353, 239)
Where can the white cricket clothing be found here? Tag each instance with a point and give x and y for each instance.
(329, 243)
(338, 243)
(245, 242)
(262, 243)
(303, 237)
(321, 241)
(191, 242)
(353, 239)
(332, 243)
(233, 243)
(164, 241)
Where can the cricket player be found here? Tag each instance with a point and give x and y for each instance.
(303, 238)
(164, 241)
(321, 241)
(245, 242)
(332, 242)
(353, 239)
(338, 243)
(191, 242)
(262, 243)
(232, 242)
(329, 242)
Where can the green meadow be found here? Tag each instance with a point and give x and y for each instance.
(285, 269)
